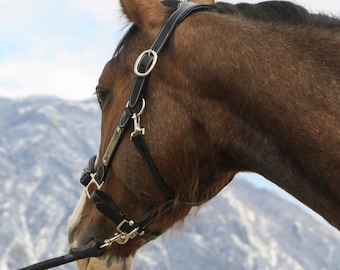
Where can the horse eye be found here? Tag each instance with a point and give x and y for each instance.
(101, 95)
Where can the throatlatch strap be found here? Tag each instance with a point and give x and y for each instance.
(142, 147)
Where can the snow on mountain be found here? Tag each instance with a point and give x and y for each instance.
(44, 144)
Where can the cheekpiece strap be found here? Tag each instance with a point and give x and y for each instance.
(146, 59)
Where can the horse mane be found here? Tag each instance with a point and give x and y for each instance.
(278, 12)
(125, 40)
(271, 11)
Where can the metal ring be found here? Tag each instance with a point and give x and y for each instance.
(146, 73)
(142, 108)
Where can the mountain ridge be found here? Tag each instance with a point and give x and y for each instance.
(46, 141)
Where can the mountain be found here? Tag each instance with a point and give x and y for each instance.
(44, 144)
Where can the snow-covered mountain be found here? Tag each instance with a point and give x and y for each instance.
(44, 144)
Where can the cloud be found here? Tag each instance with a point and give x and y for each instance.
(56, 47)
(331, 7)
(65, 75)
(103, 11)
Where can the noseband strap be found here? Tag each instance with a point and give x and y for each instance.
(94, 179)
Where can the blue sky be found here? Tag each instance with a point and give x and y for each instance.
(59, 47)
(56, 47)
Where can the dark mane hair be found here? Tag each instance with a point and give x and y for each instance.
(278, 12)
(125, 40)
(275, 12)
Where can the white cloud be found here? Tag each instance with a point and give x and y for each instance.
(331, 7)
(56, 47)
(65, 75)
(103, 10)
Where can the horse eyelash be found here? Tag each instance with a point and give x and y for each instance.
(101, 96)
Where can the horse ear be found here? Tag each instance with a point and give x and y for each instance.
(149, 13)
(144, 13)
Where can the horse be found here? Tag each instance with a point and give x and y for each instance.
(224, 89)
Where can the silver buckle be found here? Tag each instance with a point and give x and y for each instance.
(121, 237)
(136, 121)
(154, 61)
(92, 182)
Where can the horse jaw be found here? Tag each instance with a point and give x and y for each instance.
(103, 263)
(75, 217)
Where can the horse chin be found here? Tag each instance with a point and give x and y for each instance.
(106, 263)
(76, 215)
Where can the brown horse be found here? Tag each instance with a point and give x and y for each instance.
(235, 88)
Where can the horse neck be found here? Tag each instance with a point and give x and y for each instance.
(273, 102)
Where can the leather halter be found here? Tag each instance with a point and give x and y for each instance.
(128, 229)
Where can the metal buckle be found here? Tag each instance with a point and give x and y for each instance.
(93, 181)
(126, 236)
(154, 60)
(136, 121)
(122, 237)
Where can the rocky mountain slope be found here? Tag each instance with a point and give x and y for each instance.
(44, 144)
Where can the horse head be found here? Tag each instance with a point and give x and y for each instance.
(184, 110)
(155, 177)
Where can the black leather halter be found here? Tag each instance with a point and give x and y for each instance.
(128, 229)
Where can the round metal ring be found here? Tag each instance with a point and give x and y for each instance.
(146, 73)
(142, 108)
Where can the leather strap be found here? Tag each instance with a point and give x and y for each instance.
(142, 147)
(106, 205)
(183, 10)
(102, 201)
